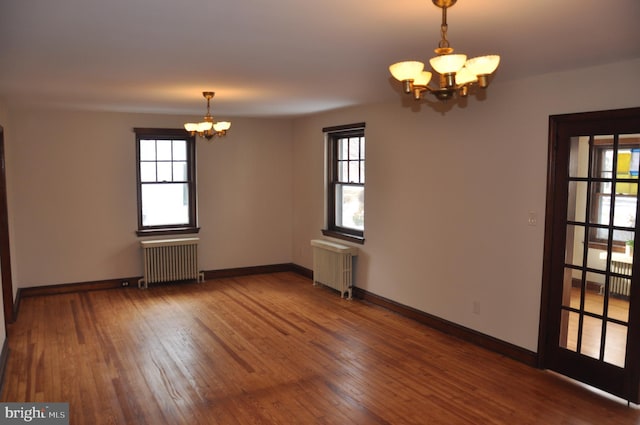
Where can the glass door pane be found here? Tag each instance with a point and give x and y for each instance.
(601, 214)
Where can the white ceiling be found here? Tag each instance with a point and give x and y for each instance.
(282, 57)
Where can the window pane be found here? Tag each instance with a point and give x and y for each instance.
(602, 235)
(623, 167)
(164, 150)
(361, 171)
(165, 204)
(148, 171)
(147, 150)
(603, 205)
(180, 171)
(625, 213)
(579, 156)
(343, 171)
(603, 163)
(596, 259)
(571, 288)
(354, 171)
(594, 298)
(343, 148)
(625, 140)
(569, 330)
(622, 266)
(354, 148)
(595, 281)
(179, 150)
(615, 344)
(164, 172)
(618, 306)
(578, 199)
(591, 336)
(574, 250)
(350, 206)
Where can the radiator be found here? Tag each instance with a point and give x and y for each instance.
(620, 285)
(333, 265)
(170, 260)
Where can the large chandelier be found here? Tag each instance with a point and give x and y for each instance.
(457, 73)
(207, 128)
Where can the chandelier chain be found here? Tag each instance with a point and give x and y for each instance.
(208, 97)
(444, 43)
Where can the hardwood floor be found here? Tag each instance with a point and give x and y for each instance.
(271, 349)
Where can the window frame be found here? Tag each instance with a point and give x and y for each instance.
(332, 136)
(168, 134)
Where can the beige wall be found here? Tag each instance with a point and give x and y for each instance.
(448, 196)
(73, 194)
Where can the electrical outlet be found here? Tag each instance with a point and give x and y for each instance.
(476, 307)
(125, 283)
(532, 218)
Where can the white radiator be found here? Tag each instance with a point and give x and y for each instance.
(620, 285)
(170, 260)
(333, 265)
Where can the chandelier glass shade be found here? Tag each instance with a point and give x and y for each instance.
(207, 128)
(457, 73)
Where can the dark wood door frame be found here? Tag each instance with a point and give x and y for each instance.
(561, 128)
(5, 251)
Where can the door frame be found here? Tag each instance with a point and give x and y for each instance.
(561, 128)
(5, 250)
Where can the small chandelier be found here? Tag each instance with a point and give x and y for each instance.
(207, 128)
(457, 73)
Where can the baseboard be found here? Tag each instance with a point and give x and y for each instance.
(66, 288)
(244, 271)
(303, 271)
(4, 358)
(485, 341)
(16, 304)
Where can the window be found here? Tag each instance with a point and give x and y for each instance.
(345, 185)
(166, 181)
(624, 197)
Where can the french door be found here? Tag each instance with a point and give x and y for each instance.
(590, 327)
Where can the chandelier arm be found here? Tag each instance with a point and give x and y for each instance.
(483, 81)
(441, 93)
(419, 89)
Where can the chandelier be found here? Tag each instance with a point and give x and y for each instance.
(207, 128)
(457, 73)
